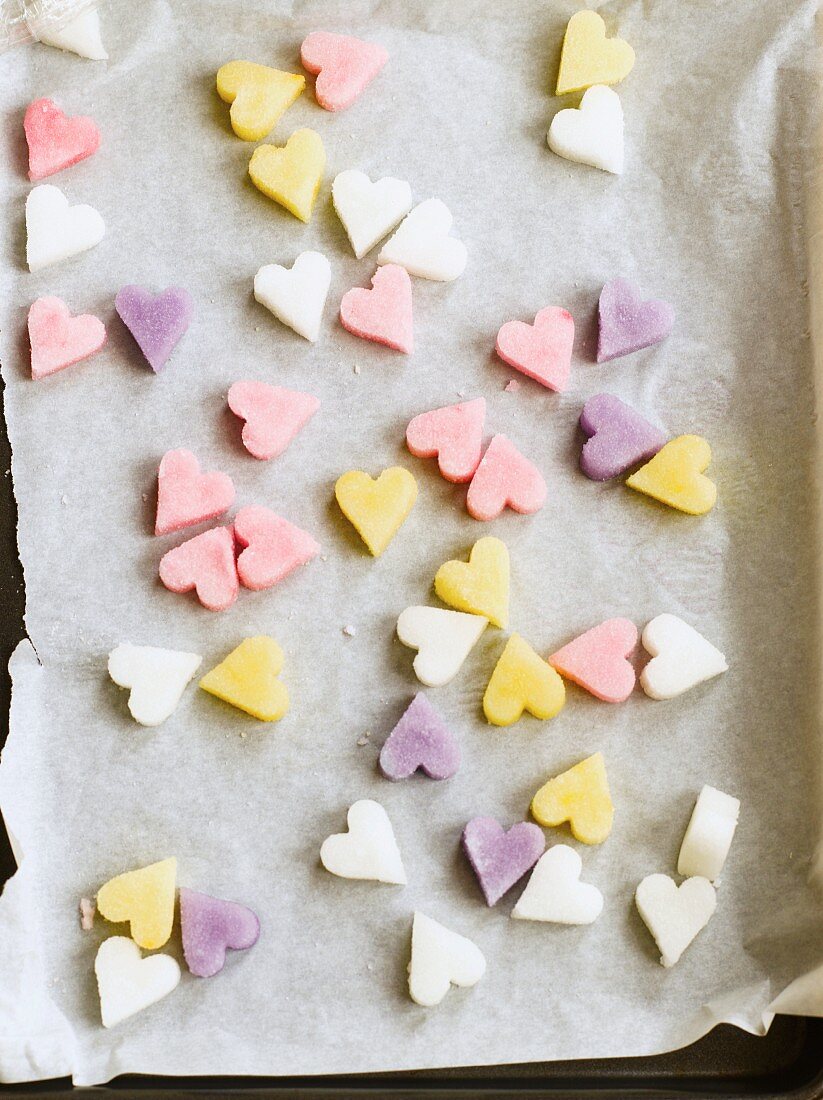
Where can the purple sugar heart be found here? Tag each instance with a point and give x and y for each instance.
(500, 858)
(210, 926)
(156, 321)
(627, 323)
(421, 739)
(620, 437)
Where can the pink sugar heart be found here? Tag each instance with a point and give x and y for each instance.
(209, 926)
(384, 313)
(454, 434)
(273, 415)
(503, 479)
(205, 564)
(58, 339)
(597, 660)
(185, 495)
(543, 350)
(273, 547)
(56, 141)
(345, 66)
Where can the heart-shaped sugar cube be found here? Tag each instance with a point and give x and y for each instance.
(597, 660)
(593, 133)
(619, 437)
(56, 142)
(156, 678)
(580, 796)
(627, 322)
(681, 658)
(589, 57)
(423, 245)
(542, 350)
(291, 174)
(156, 321)
(674, 476)
(443, 640)
(368, 850)
(501, 857)
(384, 313)
(186, 496)
(296, 295)
(505, 479)
(144, 898)
(248, 679)
(481, 585)
(128, 983)
(55, 230)
(369, 210)
(439, 959)
(258, 95)
(420, 740)
(206, 565)
(453, 434)
(376, 507)
(522, 681)
(209, 926)
(345, 66)
(81, 35)
(555, 893)
(674, 915)
(57, 339)
(273, 415)
(272, 547)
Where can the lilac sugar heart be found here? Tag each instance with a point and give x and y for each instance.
(500, 858)
(210, 926)
(421, 739)
(627, 323)
(156, 321)
(620, 437)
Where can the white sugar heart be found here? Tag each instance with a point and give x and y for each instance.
(443, 640)
(681, 658)
(80, 36)
(423, 246)
(157, 678)
(674, 915)
(555, 893)
(368, 850)
(593, 133)
(440, 959)
(55, 230)
(296, 295)
(128, 983)
(369, 210)
(709, 834)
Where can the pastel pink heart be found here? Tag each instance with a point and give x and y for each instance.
(345, 66)
(273, 415)
(186, 495)
(57, 339)
(384, 313)
(505, 479)
(597, 660)
(453, 435)
(273, 547)
(55, 141)
(205, 565)
(543, 350)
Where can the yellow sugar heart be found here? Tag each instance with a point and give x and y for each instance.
(247, 679)
(290, 174)
(588, 57)
(675, 476)
(258, 94)
(481, 585)
(522, 681)
(376, 507)
(145, 898)
(581, 797)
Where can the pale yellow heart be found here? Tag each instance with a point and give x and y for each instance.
(580, 796)
(376, 507)
(481, 585)
(291, 174)
(259, 95)
(522, 681)
(589, 57)
(675, 476)
(145, 898)
(247, 679)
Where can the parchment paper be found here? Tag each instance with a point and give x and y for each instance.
(720, 118)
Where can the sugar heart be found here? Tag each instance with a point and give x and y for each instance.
(501, 857)
(55, 141)
(675, 476)
(369, 210)
(443, 640)
(157, 679)
(291, 174)
(440, 959)
(588, 57)
(619, 437)
(420, 740)
(627, 323)
(345, 66)
(555, 893)
(209, 926)
(453, 434)
(543, 350)
(185, 495)
(592, 133)
(272, 547)
(273, 415)
(80, 35)
(296, 295)
(55, 230)
(505, 479)
(479, 586)
(674, 915)
(57, 339)
(422, 244)
(384, 313)
(376, 507)
(144, 898)
(522, 681)
(156, 321)
(681, 658)
(259, 96)
(368, 850)
(206, 565)
(128, 983)
(247, 679)
(580, 796)
(709, 834)
(597, 660)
